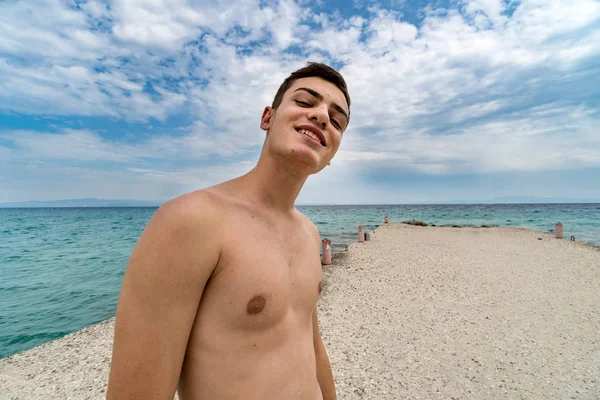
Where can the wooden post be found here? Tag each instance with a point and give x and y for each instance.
(386, 219)
(326, 252)
(361, 233)
(559, 231)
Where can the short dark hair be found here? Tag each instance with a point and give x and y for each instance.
(313, 69)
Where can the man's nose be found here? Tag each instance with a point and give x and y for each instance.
(319, 115)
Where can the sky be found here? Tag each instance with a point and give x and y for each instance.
(150, 99)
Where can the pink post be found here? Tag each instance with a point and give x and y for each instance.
(386, 219)
(326, 252)
(559, 231)
(361, 233)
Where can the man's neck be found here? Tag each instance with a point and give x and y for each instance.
(274, 184)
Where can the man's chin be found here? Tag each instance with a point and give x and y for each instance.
(307, 162)
(301, 158)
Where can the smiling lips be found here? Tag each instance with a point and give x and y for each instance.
(312, 133)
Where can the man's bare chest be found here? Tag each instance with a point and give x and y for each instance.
(265, 275)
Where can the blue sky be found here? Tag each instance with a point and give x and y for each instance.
(452, 100)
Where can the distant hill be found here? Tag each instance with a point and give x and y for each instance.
(82, 203)
(539, 200)
(521, 200)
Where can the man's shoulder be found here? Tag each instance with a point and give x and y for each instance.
(308, 224)
(191, 209)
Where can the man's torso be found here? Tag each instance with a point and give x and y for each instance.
(252, 337)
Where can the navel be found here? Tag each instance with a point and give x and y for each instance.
(256, 305)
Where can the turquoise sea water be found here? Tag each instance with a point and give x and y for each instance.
(61, 268)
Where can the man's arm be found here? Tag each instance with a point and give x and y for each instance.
(324, 373)
(162, 287)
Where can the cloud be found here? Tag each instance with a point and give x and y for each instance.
(484, 86)
(156, 24)
(387, 31)
(51, 30)
(99, 60)
(168, 25)
(52, 181)
(337, 38)
(75, 145)
(486, 13)
(81, 145)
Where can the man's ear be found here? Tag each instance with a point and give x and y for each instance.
(267, 118)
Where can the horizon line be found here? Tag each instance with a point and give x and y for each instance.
(323, 204)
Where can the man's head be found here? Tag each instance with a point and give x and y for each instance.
(309, 113)
(318, 70)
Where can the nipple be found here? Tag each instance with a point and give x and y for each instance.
(256, 305)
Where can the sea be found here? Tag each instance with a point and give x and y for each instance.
(61, 268)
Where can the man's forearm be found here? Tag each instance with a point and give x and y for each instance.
(325, 375)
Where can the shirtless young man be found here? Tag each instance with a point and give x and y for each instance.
(219, 297)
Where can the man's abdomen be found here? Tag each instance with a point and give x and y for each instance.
(279, 364)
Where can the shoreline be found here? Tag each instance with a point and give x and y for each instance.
(395, 308)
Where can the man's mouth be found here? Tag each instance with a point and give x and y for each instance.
(311, 135)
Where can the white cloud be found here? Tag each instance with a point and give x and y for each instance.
(337, 39)
(387, 31)
(538, 21)
(69, 145)
(284, 24)
(52, 181)
(162, 24)
(200, 143)
(193, 178)
(486, 12)
(56, 55)
(50, 29)
(472, 89)
(95, 9)
(556, 138)
(168, 25)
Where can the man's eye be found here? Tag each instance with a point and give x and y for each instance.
(303, 103)
(336, 124)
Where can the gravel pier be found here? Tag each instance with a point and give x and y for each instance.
(413, 313)
(463, 313)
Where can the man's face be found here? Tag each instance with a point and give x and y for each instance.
(308, 124)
